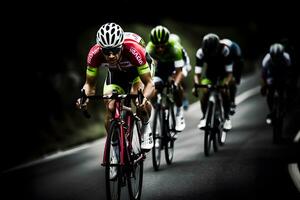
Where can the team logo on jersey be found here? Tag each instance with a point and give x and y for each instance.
(136, 55)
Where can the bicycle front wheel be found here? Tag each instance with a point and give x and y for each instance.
(208, 135)
(135, 175)
(170, 132)
(157, 139)
(112, 168)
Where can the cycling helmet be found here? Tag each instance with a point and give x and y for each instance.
(110, 35)
(210, 43)
(276, 50)
(159, 35)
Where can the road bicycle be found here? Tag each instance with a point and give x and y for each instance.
(214, 134)
(123, 157)
(164, 123)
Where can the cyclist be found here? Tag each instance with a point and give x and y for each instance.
(238, 64)
(124, 55)
(275, 68)
(169, 58)
(213, 64)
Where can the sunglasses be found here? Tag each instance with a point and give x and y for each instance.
(108, 51)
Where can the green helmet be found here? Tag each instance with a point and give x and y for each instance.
(159, 35)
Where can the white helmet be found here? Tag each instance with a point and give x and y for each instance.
(110, 35)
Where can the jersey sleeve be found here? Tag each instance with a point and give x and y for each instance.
(199, 61)
(137, 56)
(228, 59)
(178, 53)
(93, 59)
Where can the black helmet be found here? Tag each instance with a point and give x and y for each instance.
(210, 44)
(276, 50)
(159, 35)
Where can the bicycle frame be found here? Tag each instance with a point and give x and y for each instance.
(125, 136)
(214, 117)
(216, 100)
(122, 164)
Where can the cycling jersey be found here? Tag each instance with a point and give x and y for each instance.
(217, 67)
(132, 64)
(172, 58)
(275, 72)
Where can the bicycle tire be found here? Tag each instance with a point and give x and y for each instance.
(135, 176)
(112, 182)
(220, 123)
(157, 139)
(215, 140)
(208, 130)
(216, 136)
(169, 142)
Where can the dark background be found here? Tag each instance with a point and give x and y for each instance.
(42, 37)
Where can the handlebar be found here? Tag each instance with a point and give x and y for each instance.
(114, 95)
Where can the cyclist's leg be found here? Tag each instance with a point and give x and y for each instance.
(226, 105)
(147, 139)
(203, 101)
(178, 74)
(146, 113)
(270, 103)
(185, 100)
(238, 67)
(111, 84)
(232, 93)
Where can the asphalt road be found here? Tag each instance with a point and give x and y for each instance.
(248, 166)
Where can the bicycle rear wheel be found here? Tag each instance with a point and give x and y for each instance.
(136, 168)
(170, 132)
(112, 168)
(157, 139)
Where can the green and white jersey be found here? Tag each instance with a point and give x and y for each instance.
(173, 53)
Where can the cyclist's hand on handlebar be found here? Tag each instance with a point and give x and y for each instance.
(82, 102)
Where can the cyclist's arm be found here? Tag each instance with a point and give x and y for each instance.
(178, 63)
(146, 78)
(178, 76)
(90, 82)
(199, 66)
(228, 66)
(264, 69)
